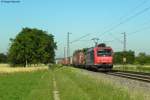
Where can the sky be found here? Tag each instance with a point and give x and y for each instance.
(103, 19)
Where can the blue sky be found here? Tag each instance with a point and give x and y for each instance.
(79, 17)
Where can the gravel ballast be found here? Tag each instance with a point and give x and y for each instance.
(134, 87)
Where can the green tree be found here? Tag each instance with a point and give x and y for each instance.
(148, 59)
(130, 57)
(118, 56)
(142, 58)
(32, 46)
(3, 58)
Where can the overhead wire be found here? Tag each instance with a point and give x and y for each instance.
(140, 30)
(115, 38)
(134, 9)
(117, 25)
(120, 23)
(128, 18)
(78, 39)
(126, 15)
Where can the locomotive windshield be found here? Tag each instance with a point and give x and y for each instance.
(104, 52)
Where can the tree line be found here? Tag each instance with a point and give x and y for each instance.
(142, 58)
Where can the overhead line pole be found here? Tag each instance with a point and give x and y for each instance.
(124, 49)
(64, 52)
(68, 45)
(124, 42)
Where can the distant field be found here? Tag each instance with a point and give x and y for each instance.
(138, 68)
(5, 68)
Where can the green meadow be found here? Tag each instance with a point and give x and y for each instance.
(71, 83)
(26, 86)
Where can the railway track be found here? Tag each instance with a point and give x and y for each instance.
(140, 76)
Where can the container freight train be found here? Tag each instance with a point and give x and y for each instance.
(99, 58)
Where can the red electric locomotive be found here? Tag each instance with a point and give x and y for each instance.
(99, 57)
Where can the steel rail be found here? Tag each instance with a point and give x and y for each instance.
(131, 75)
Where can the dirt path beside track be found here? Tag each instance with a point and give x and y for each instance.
(55, 90)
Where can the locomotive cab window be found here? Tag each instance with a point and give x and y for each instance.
(104, 52)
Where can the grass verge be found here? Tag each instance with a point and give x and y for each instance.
(73, 85)
(35, 85)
